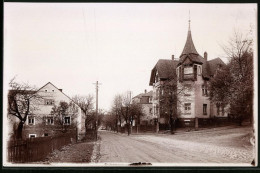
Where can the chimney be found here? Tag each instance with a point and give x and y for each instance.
(172, 57)
(206, 56)
(60, 90)
(145, 91)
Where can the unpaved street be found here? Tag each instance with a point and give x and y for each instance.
(220, 145)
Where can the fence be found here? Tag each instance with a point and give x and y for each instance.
(36, 149)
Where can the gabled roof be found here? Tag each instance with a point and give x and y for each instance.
(148, 94)
(143, 97)
(59, 91)
(166, 69)
(213, 65)
(138, 96)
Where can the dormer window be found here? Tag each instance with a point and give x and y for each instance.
(188, 70)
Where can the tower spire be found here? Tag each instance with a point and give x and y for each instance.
(189, 47)
(189, 20)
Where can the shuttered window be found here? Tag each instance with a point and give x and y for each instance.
(195, 72)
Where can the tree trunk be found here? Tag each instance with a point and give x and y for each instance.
(240, 121)
(171, 125)
(19, 131)
(128, 129)
(116, 126)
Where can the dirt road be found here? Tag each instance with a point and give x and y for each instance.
(223, 145)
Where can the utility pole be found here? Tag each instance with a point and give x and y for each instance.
(129, 93)
(96, 123)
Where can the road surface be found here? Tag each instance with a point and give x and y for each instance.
(220, 145)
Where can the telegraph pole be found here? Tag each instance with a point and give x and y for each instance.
(96, 123)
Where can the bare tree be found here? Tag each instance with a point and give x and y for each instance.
(22, 102)
(65, 115)
(109, 120)
(136, 112)
(116, 110)
(86, 105)
(125, 111)
(170, 97)
(234, 85)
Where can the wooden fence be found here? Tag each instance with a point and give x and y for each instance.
(36, 149)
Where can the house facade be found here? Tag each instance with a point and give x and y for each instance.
(191, 74)
(145, 99)
(42, 122)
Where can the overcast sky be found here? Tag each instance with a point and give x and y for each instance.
(74, 45)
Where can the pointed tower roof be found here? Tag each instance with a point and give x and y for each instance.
(189, 47)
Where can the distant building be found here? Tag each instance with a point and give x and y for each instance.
(145, 99)
(192, 73)
(42, 123)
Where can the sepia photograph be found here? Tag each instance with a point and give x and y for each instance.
(130, 84)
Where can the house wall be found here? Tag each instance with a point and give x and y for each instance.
(201, 99)
(197, 99)
(155, 100)
(148, 114)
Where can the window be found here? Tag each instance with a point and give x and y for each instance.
(49, 121)
(199, 70)
(49, 102)
(187, 88)
(150, 99)
(204, 109)
(45, 90)
(46, 134)
(150, 110)
(32, 135)
(156, 77)
(195, 72)
(204, 90)
(187, 108)
(52, 90)
(67, 120)
(188, 72)
(31, 120)
(156, 109)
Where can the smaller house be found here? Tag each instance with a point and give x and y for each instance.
(145, 99)
(42, 122)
